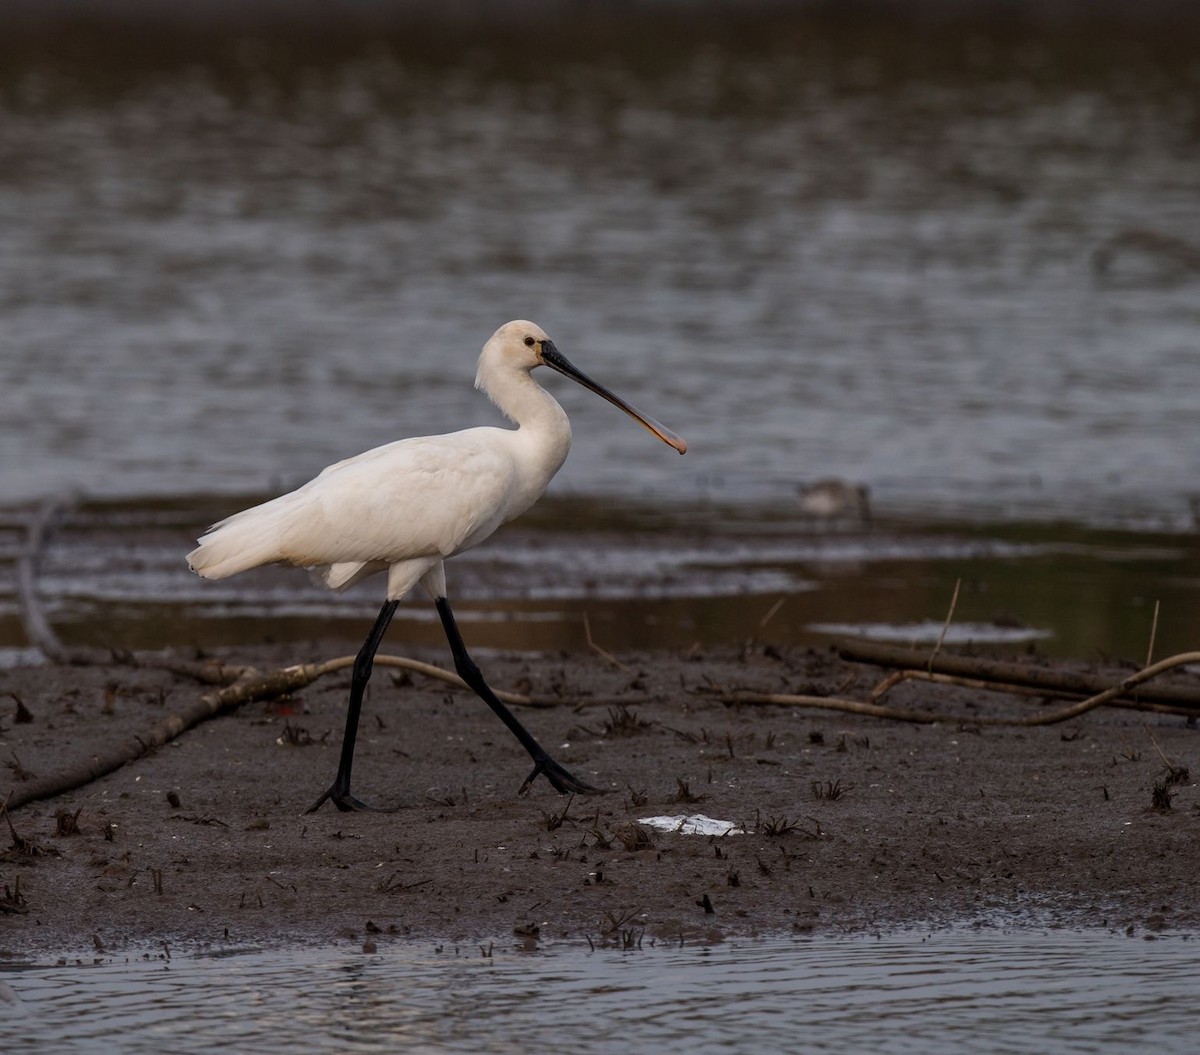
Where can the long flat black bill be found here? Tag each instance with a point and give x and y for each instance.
(554, 359)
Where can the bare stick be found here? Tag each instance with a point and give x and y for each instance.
(101, 764)
(254, 686)
(752, 641)
(986, 668)
(602, 653)
(1166, 761)
(896, 677)
(888, 683)
(900, 714)
(762, 623)
(945, 626)
(28, 560)
(1153, 634)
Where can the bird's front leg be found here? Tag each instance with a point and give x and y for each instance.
(560, 779)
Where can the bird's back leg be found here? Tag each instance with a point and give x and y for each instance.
(339, 790)
(559, 778)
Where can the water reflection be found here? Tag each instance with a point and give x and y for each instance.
(940, 992)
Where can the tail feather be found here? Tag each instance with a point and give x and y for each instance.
(245, 540)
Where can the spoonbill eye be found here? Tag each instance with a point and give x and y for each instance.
(529, 342)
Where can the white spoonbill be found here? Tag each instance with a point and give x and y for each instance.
(405, 507)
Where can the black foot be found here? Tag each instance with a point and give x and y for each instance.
(347, 803)
(562, 781)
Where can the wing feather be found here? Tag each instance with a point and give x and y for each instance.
(425, 497)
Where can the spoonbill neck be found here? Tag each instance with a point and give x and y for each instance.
(522, 400)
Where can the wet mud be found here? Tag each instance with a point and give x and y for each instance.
(843, 823)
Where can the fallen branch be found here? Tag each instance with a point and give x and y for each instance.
(248, 688)
(1074, 710)
(896, 677)
(986, 669)
(27, 559)
(250, 685)
(1113, 693)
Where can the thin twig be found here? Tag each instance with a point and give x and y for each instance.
(602, 653)
(762, 623)
(888, 683)
(752, 641)
(945, 626)
(1166, 761)
(1153, 634)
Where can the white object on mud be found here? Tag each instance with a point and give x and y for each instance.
(693, 824)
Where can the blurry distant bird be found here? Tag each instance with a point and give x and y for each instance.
(834, 499)
(404, 507)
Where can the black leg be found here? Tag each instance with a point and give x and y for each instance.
(339, 792)
(560, 779)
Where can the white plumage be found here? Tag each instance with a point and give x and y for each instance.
(406, 506)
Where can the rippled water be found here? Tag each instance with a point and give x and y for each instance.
(945, 992)
(958, 266)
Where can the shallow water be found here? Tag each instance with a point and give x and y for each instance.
(637, 578)
(947, 991)
(960, 266)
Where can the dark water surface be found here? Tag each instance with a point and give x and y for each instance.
(948, 991)
(956, 261)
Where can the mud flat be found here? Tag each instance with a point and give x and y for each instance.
(839, 822)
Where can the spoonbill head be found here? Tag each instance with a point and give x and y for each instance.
(522, 346)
